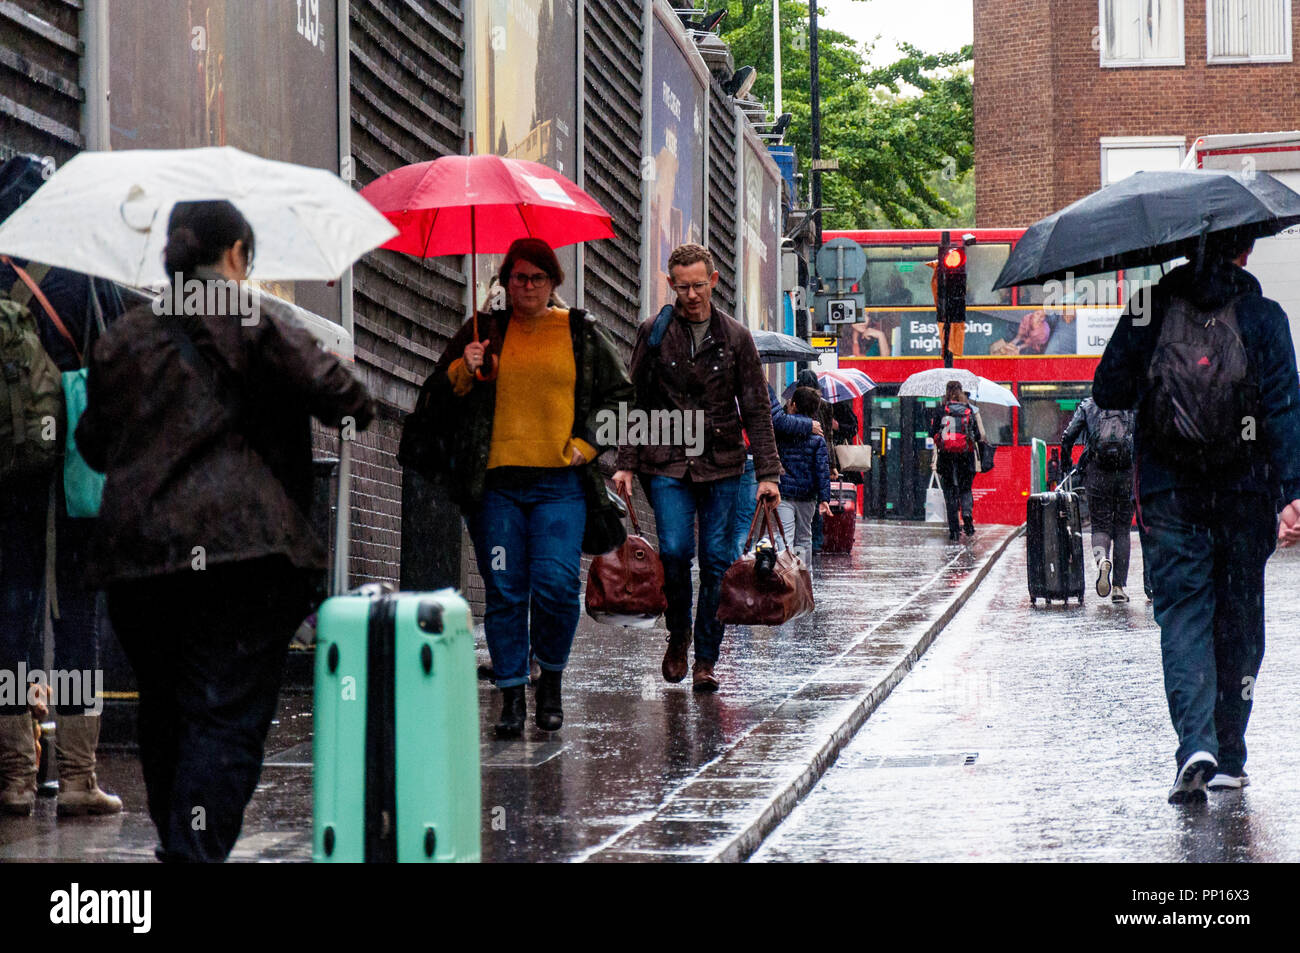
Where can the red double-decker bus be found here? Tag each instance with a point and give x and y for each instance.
(1045, 355)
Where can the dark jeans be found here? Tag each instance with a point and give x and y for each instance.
(24, 508)
(1110, 508)
(956, 476)
(528, 546)
(1207, 552)
(677, 505)
(208, 651)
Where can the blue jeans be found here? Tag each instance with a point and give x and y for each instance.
(677, 504)
(528, 546)
(1207, 552)
(746, 503)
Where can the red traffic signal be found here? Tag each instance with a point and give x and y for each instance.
(954, 259)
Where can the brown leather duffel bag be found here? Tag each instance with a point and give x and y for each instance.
(769, 598)
(626, 587)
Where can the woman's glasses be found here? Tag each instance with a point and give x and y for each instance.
(529, 281)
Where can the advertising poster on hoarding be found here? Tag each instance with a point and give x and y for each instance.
(525, 95)
(676, 158)
(761, 258)
(262, 77)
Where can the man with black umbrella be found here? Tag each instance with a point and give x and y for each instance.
(1209, 364)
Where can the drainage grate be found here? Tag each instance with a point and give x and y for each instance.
(946, 759)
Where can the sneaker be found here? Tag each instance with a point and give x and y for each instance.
(1119, 595)
(1103, 578)
(1228, 782)
(1189, 785)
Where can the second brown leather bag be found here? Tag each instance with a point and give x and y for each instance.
(626, 587)
(773, 599)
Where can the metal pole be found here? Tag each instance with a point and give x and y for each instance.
(941, 311)
(815, 102)
(776, 56)
(343, 508)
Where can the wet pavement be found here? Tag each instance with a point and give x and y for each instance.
(642, 770)
(1043, 735)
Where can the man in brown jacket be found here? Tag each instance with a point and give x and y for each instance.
(696, 371)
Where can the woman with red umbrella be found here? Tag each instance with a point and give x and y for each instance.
(525, 396)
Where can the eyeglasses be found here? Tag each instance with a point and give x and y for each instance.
(530, 281)
(699, 288)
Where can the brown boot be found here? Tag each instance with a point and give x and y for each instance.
(18, 765)
(675, 663)
(702, 677)
(75, 739)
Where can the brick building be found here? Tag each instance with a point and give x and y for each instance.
(1072, 94)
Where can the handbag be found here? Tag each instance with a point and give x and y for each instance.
(83, 488)
(936, 509)
(774, 598)
(853, 458)
(988, 456)
(626, 587)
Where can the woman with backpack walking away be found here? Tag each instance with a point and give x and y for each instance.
(1107, 463)
(957, 431)
(202, 424)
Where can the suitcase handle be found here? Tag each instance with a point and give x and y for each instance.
(343, 516)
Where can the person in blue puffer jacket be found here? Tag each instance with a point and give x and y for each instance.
(806, 483)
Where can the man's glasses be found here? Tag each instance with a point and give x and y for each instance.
(529, 281)
(699, 288)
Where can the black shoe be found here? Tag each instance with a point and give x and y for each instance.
(954, 537)
(513, 712)
(549, 715)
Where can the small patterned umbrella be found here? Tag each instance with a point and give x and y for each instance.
(840, 385)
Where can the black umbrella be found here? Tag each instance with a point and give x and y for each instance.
(776, 348)
(1146, 219)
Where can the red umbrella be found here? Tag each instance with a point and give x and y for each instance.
(480, 204)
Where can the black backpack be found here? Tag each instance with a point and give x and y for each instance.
(1113, 449)
(1201, 392)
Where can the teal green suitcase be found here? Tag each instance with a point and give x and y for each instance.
(396, 735)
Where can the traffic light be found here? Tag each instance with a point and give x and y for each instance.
(951, 293)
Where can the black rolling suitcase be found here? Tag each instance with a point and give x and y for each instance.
(1055, 547)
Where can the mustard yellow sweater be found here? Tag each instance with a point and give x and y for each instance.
(533, 423)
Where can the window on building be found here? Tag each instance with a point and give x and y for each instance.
(1141, 32)
(1121, 156)
(1248, 31)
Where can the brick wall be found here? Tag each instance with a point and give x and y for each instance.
(1043, 102)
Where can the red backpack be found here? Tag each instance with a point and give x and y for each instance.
(955, 435)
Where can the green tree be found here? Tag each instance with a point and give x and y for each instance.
(903, 133)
